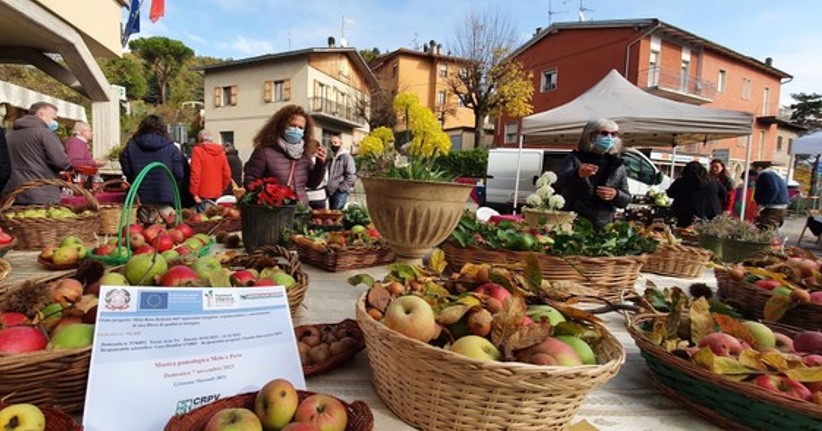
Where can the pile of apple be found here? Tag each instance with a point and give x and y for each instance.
(212, 213)
(358, 236)
(22, 417)
(798, 276)
(460, 313)
(172, 243)
(317, 346)
(278, 407)
(56, 212)
(326, 217)
(70, 251)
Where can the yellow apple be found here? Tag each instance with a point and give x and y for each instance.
(22, 417)
(276, 404)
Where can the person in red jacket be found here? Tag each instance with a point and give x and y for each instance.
(210, 173)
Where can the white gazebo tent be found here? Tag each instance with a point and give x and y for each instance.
(808, 144)
(644, 119)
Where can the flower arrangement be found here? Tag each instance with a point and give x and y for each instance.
(269, 193)
(423, 141)
(658, 197)
(545, 197)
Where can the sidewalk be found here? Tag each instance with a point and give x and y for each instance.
(793, 228)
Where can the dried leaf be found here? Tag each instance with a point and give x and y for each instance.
(437, 261)
(670, 345)
(729, 366)
(701, 322)
(776, 307)
(436, 289)
(532, 272)
(573, 313)
(704, 358)
(572, 328)
(775, 360)
(452, 314)
(378, 297)
(765, 274)
(562, 289)
(356, 280)
(657, 334)
(526, 336)
(471, 269)
(809, 374)
(221, 278)
(501, 276)
(734, 327)
(521, 287)
(469, 299)
(752, 359)
(508, 320)
(403, 271)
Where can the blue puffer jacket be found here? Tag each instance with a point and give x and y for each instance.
(156, 188)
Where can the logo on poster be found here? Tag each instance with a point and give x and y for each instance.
(117, 299)
(187, 405)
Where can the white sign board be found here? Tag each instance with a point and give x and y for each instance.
(164, 351)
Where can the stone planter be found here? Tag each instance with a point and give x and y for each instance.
(263, 225)
(414, 216)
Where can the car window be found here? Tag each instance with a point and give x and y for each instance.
(639, 169)
(552, 161)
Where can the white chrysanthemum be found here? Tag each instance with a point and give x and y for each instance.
(545, 192)
(400, 161)
(533, 201)
(550, 177)
(542, 181)
(556, 202)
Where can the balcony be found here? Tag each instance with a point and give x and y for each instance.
(676, 86)
(324, 107)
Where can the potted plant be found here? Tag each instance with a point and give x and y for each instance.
(543, 207)
(732, 239)
(266, 209)
(411, 202)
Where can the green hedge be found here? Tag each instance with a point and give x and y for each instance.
(465, 163)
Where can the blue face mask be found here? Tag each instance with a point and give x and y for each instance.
(293, 135)
(604, 143)
(53, 125)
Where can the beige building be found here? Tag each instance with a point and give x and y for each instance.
(425, 73)
(32, 31)
(786, 133)
(329, 83)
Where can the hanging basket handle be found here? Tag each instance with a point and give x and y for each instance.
(92, 201)
(102, 187)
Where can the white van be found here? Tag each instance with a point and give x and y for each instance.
(502, 171)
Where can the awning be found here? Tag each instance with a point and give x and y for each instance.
(23, 98)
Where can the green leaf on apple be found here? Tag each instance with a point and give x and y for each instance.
(587, 334)
(437, 261)
(356, 280)
(776, 307)
(221, 278)
(704, 358)
(434, 289)
(526, 336)
(777, 360)
(403, 271)
(729, 366)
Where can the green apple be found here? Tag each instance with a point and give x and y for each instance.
(142, 269)
(581, 347)
(205, 266)
(764, 337)
(540, 312)
(476, 347)
(413, 317)
(283, 279)
(22, 417)
(171, 255)
(73, 336)
(82, 251)
(69, 240)
(276, 403)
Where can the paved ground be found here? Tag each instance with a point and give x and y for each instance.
(793, 228)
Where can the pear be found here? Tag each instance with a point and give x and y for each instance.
(74, 336)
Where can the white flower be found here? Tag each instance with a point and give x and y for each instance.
(550, 177)
(400, 161)
(545, 192)
(533, 201)
(556, 202)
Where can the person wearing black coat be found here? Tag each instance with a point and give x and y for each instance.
(151, 143)
(696, 195)
(236, 166)
(5, 163)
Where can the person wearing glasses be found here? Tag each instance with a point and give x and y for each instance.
(593, 179)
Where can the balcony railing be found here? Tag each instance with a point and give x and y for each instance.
(324, 105)
(678, 82)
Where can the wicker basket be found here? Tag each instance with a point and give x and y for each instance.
(38, 233)
(677, 260)
(435, 389)
(729, 404)
(293, 267)
(56, 420)
(335, 361)
(238, 191)
(343, 259)
(5, 270)
(607, 275)
(110, 212)
(750, 300)
(211, 227)
(360, 417)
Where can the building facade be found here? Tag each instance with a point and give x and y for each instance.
(329, 83)
(568, 58)
(426, 73)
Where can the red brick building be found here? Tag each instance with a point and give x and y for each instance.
(568, 58)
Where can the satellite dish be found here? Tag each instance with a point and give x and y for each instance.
(343, 42)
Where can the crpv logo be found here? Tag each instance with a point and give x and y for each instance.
(185, 406)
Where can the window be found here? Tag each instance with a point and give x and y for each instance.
(779, 143)
(321, 102)
(511, 132)
(653, 69)
(227, 137)
(277, 91)
(721, 81)
(746, 88)
(766, 100)
(441, 97)
(443, 71)
(639, 169)
(684, 72)
(549, 80)
(225, 96)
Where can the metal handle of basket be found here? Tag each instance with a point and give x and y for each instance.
(92, 201)
(125, 214)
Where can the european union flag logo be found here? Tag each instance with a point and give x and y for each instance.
(154, 300)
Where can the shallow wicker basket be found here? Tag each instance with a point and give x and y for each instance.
(211, 227)
(360, 417)
(292, 266)
(607, 275)
(750, 300)
(38, 233)
(343, 259)
(56, 420)
(339, 359)
(729, 404)
(435, 389)
(677, 260)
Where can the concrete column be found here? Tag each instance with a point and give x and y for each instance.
(106, 123)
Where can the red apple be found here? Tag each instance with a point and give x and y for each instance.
(163, 242)
(242, 278)
(65, 291)
(5, 238)
(721, 344)
(494, 291)
(784, 343)
(132, 228)
(186, 230)
(808, 342)
(783, 385)
(8, 319)
(767, 284)
(550, 351)
(413, 317)
(265, 282)
(152, 232)
(21, 339)
(179, 276)
(104, 250)
(90, 316)
(196, 218)
(183, 250)
(374, 233)
(145, 248)
(176, 235)
(324, 412)
(816, 297)
(137, 240)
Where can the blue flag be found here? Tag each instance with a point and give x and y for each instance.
(133, 23)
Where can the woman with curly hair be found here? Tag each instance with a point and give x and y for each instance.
(696, 195)
(285, 149)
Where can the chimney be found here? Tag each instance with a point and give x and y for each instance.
(769, 61)
(439, 49)
(331, 42)
(433, 45)
(539, 29)
(425, 47)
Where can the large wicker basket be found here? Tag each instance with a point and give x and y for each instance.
(435, 389)
(110, 211)
(38, 233)
(607, 275)
(729, 404)
(750, 300)
(291, 265)
(343, 259)
(211, 227)
(56, 420)
(677, 260)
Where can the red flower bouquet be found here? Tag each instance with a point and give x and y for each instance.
(268, 192)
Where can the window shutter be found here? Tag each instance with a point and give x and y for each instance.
(218, 96)
(233, 95)
(267, 90)
(287, 90)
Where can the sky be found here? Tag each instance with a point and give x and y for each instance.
(788, 31)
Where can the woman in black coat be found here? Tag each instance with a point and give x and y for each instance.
(151, 143)
(696, 195)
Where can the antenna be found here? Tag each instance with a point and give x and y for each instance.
(552, 12)
(343, 41)
(289, 41)
(582, 10)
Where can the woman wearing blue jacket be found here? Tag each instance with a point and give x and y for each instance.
(151, 143)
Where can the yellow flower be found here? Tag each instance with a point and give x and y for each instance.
(405, 101)
(371, 146)
(384, 134)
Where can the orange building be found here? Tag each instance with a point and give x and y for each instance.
(569, 58)
(425, 73)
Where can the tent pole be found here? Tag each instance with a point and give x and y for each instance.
(744, 194)
(673, 162)
(789, 173)
(516, 182)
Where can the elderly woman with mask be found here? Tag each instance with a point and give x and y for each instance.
(593, 179)
(286, 150)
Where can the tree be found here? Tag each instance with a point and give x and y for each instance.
(126, 72)
(369, 54)
(489, 82)
(807, 112)
(378, 111)
(164, 58)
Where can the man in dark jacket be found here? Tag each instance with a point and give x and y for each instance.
(35, 152)
(342, 175)
(5, 164)
(771, 196)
